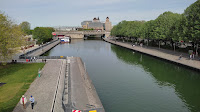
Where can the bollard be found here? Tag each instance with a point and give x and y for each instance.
(39, 72)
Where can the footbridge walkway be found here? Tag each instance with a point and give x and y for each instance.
(40, 50)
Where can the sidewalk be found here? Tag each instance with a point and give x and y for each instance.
(162, 54)
(43, 89)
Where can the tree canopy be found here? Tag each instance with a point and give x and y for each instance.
(192, 15)
(11, 38)
(168, 26)
(25, 27)
(43, 34)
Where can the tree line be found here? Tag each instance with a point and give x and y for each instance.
(41, 34)
(13, 36)
(167, 27)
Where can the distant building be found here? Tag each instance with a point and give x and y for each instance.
(97, 25)
(85, 24)
(108, 25)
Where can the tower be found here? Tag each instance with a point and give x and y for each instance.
(108, 25)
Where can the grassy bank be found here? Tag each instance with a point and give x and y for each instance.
(18, 78)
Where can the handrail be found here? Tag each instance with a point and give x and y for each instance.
(42, 57)
(29, 52)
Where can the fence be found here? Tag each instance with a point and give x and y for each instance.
(42, 57)
(29, 52)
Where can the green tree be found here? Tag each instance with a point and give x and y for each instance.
(43, 34)
(25, 27)
(11, 38)
(192, 14)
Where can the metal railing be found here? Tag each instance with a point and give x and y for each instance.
(40, 47)
(42, 57)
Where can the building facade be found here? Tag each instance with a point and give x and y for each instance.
(108, 25)
(96, 24)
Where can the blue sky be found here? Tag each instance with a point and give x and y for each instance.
(73, 12)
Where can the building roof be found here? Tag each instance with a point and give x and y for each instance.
(95, 24)
(84, 22)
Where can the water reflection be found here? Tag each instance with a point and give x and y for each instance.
(185, 82)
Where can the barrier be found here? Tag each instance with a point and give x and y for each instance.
(29, 52)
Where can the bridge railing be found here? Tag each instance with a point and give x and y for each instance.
(42, 57)
(29, 52)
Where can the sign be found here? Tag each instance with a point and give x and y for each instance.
(76, 111)
(93, 111)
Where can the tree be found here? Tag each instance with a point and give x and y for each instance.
(192, 14)
(11, 38)
(25, 27)
(43, 34)
(165, 26)
(168, 27)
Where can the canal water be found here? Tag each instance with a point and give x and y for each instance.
(132, 82)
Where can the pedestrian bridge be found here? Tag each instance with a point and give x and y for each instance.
(81, 34)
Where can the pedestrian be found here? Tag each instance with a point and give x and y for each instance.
(141, 44)
(23, 101)
(193, 55)
(32, 101)
(180, 57)
(34, 58)
(190, 56)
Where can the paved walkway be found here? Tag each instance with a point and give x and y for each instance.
(43, 89)
(161, 53)
(44, 49)
(20, 52)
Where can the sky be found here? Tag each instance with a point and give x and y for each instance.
(72, 12)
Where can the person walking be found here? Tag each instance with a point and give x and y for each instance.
(23, 101)
(180, 57)
(32, 101)
(34, 58)
(190, 56)
(193, 54)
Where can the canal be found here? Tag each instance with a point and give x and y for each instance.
(131, 82)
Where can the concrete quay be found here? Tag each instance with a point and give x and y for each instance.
(64, 86)
(81, 92)
(167, 55)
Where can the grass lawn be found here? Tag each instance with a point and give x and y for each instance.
(18, 78)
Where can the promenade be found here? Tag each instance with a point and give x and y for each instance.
(44, 49)
(162, 54)
(46, 89)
